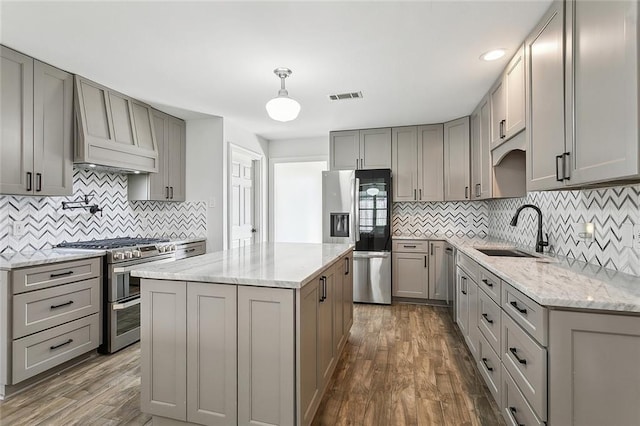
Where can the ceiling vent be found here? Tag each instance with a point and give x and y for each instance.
(343, 96)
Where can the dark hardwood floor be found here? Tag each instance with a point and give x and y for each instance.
(402, 365)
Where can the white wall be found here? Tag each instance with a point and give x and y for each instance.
(306, 147)
(204, 176)
(297, 210)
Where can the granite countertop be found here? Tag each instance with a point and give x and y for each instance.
(557, 281)
(282, 265)
(10, 261)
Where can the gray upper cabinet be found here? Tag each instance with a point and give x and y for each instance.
(481, 163)
(507, 98)
(417, 163)
(168, 184)
(456, 160)
(603, 141)
(584, 116)
(37, 127)
(360, 149)
(545, 53)
(113, 129)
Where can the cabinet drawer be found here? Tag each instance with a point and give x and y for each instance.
(50, 275)
(515, 409)
(490, 369)
(489, 283)
(410, 246)
(526, 361)
(38, 310)
(39, 352)
(190, 249)
(469, 265)
(532, 317)
(490, 320)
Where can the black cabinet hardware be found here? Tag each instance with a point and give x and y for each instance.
(29, 181)
(559, 177)
(415, 194)
(502, 127)
(38, 182)
(514, 351)
(61, 344)
(486, 281)
(513, 414)
(466, 192)
(70, 302)
(420, 192)
(486, 318)
(425, 261)
(518, 308)
(484, 361)
(190, 250)
(61, 274)
(406, 246)
(346, 266)
(171, 188)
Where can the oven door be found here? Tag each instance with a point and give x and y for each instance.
(122, 285)
(123, 324)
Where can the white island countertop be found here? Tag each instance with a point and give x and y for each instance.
(282, 265)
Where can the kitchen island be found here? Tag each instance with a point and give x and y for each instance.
(246, 336)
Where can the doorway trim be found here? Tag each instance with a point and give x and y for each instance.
(258, 192)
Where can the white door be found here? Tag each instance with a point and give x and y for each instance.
(242, 200)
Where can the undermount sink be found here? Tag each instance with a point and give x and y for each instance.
(504, 252)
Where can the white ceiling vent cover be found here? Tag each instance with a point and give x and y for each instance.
(344, 96)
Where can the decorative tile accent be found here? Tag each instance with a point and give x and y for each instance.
(457, 218)
(46, 224)
(608, 209)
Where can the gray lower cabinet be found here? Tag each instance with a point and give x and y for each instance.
(113, 130)
(594, 377)
(37, 127)
(410, 275)
(456, 160)
(220, 354)
(168, 184)
(438, 284)
(49, 314)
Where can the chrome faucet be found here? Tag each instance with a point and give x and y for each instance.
(540, 242)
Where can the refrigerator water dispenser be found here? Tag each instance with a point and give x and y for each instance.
(339, 224)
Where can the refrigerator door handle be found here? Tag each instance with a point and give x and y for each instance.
(356, 201)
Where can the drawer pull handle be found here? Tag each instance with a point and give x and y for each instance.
(518, 308)
(70, 302)
(513, 414)
(514, 351)
(486, 281)
(190, 250)
(54, 347)
(409, 246)
(61, 274)
(484, 361)
(486, 318)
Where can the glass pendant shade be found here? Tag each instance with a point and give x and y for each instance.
(283, 108)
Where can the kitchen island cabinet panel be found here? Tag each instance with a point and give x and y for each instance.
(211, 354)
(266, 356)
(163, 390)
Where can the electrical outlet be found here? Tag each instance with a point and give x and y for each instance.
(584, 231)
(212, 202)
(636, 237)
(626, 231)
(18, 228)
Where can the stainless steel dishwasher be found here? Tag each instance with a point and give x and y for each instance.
(372, 277)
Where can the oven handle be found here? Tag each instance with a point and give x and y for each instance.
(127, 269)
(121, 306)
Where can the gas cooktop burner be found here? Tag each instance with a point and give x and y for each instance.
(112, 243)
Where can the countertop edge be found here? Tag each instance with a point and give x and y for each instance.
(54, 257)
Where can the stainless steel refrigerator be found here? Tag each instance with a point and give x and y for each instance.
(357, 209)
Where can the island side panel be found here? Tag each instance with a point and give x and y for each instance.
(163, 348)
(266, 356)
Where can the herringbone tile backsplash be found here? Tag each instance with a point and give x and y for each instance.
(46, 224)
(608, 209)
(458, 218)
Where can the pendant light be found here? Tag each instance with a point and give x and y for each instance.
(282, 107)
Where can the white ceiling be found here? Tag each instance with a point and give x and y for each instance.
(415, 62)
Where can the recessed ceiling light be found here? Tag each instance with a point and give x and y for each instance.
(492, 55)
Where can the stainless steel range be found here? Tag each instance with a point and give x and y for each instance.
(121, 291)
